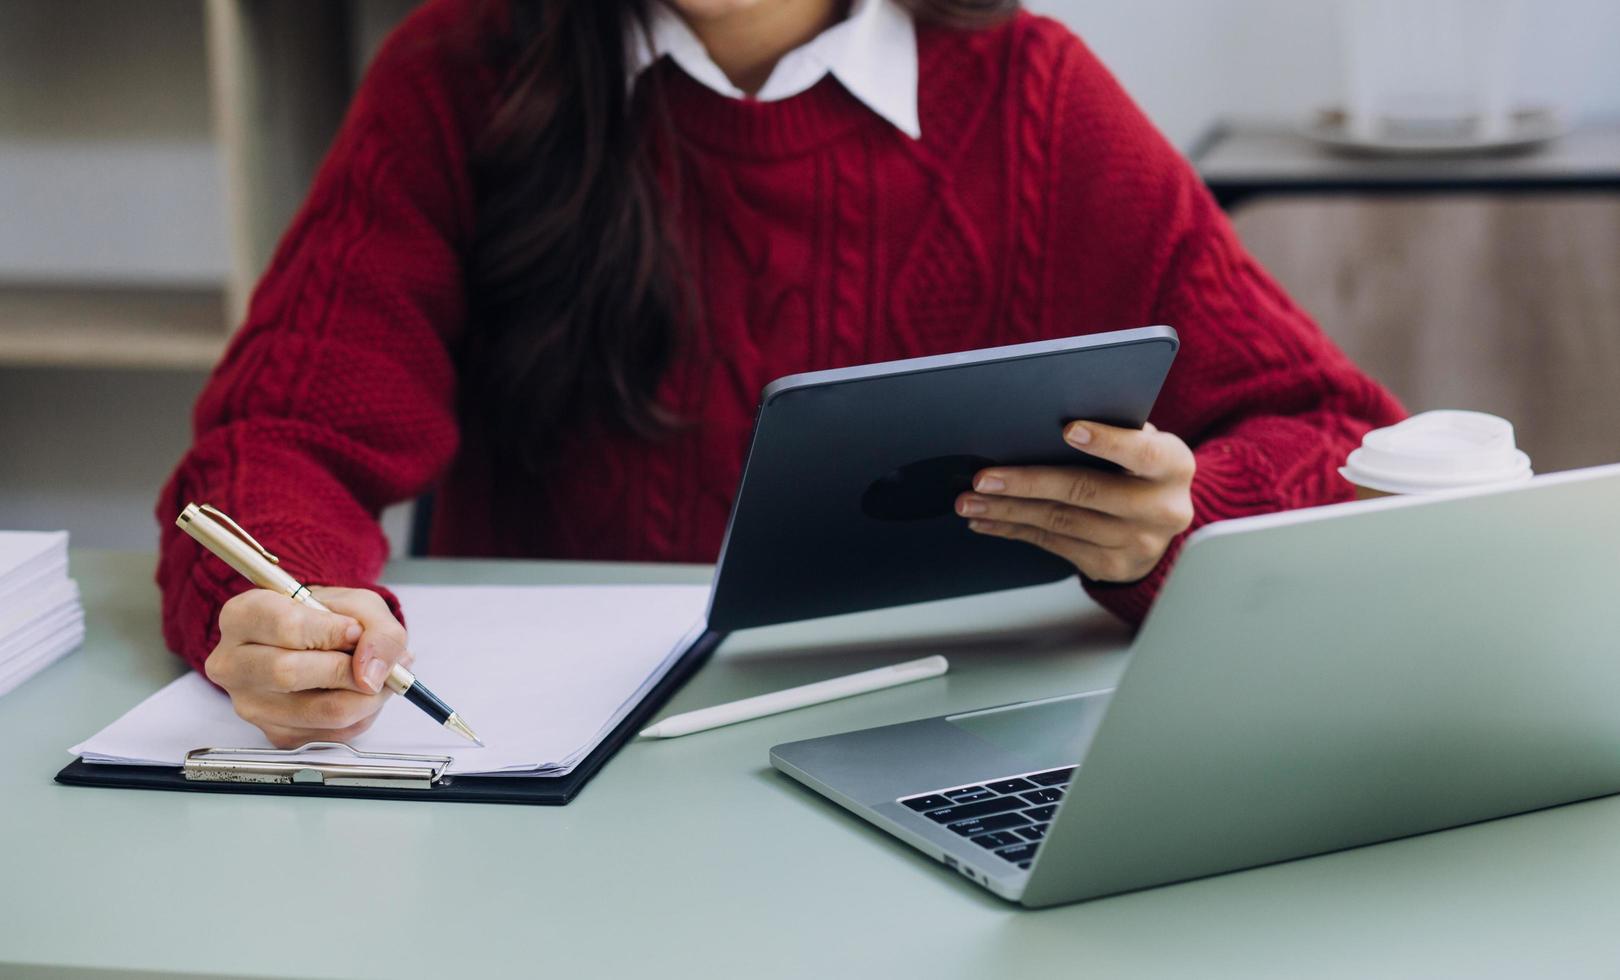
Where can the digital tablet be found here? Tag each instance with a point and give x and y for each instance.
(847, 499)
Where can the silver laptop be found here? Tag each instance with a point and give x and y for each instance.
(1307, 682)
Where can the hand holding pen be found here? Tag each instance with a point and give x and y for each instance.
(284, 654)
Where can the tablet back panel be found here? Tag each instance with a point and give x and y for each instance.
(846, 501)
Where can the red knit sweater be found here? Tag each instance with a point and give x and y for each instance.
(1038, 203)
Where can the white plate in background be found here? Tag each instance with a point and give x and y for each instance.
(1528, 129)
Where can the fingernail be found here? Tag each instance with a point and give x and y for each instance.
(990, 484)
(969, 507)
(352, 633)
(374, 673)
(1078, 435)
(975, 525)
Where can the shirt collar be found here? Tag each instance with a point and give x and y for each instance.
(872, 53)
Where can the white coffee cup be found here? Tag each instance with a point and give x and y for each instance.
(1435, 452)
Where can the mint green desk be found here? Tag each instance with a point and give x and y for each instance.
(693, 859)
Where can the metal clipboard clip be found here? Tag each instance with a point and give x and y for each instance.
(371, 769)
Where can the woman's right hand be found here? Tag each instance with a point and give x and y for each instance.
(288, 668)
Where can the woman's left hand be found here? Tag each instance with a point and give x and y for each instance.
(1113, 527)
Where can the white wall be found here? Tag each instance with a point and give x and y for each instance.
(1190, 62)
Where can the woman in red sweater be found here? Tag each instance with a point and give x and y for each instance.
(559, 246)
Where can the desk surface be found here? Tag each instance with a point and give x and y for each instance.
(692, 858)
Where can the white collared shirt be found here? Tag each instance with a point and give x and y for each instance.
(872, 53)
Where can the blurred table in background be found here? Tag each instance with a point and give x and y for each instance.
(1489, 283)
(1244, 161)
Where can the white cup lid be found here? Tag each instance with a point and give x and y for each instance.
(1438, 451)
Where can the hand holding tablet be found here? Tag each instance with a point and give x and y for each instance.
(1113, 527)
(851, 494)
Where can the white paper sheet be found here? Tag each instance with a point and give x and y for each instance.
(41, 618)
(34, 603)
(29, 557)
(542, 673)
(17, 548)
(24, 666)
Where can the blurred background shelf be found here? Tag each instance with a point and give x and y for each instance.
(152, 154)
(111, 327)
(109, 169)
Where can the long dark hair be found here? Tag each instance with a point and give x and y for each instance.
(572, 273)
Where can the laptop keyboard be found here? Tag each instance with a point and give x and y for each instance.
(1007, 817)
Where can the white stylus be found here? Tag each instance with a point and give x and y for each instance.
(798, 697)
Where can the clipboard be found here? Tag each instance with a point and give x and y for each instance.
(384, 776)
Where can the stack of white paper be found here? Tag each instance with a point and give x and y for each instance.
(542, 673)
(40, 616)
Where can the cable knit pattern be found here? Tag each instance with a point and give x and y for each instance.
(1039, 203)
(1029, 131)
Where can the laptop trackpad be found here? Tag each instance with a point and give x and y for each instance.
(1056, 730)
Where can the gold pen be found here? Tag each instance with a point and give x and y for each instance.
(225, 538)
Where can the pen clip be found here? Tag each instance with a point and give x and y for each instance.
(237, 530)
